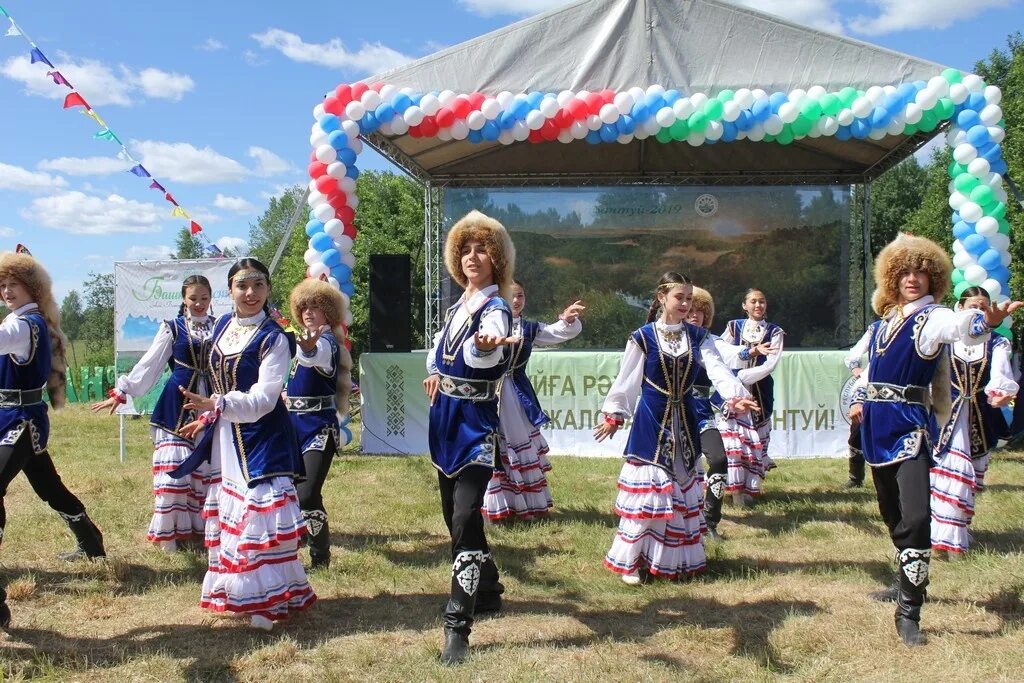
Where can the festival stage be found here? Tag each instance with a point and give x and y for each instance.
(811, 390)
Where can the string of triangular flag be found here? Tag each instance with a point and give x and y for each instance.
(75, 100)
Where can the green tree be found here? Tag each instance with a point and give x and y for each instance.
(71, 315)
(97, 328)
(188, 245)
(895, 196)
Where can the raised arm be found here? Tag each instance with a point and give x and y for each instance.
(320, 356)
(557, 332)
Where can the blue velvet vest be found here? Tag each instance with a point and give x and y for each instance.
(666, 416)
(703, 393)
(29, 374)
(520, 381)
(314, 428)
(188, 363)
(985, 424)
(465, 432)
(893, 431)
(763, 391)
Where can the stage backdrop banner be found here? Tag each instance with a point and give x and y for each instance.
(145, 294)
(812, 391)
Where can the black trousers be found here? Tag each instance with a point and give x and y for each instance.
(717, 475)
(317, 464)
(904, 491)
(856, 454)
(41, 474)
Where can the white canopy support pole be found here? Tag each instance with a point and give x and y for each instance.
(120, 437)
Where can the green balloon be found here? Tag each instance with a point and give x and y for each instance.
(929, 121)
(1005, 331)
(713, 110)
(959, 288)
(697, 122)
(679, 130)
(983, 195)
(786, 136)
(663, 135)
(956, 169)
(802, 126)
(1004, 226)
(830, 104)
(725, 96)
(965, 182)
(768, 137)
(958, 276)
(811, 109)
(952, 76)
(847, 95)
(909, 129)
(944, 108)
(996, 210)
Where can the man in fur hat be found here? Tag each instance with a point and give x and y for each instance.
(904, 387)
(465, 368)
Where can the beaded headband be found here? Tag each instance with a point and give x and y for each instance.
(248, 274)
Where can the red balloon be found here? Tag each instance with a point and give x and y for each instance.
(346, 214)
(461, 106)
(594, 103)
(428, 127)
(415, 132)
(445, 117)
(312, 156)
(358, 89)
(337, 200)
(332, 105)
(549, 131)
(608, 96)
(317, 169)
(535, 136)
(326, 184)
(577, 108)
(562, 118)
(476, 99)
(350, 231)
(377, 86)
(343, 93)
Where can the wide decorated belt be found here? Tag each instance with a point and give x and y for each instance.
(468, 389)
(883, 392)
(14, 398)
(309, 404)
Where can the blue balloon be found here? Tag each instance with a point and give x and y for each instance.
(967, 119)
(920, 85)
(978, 136)
(347, 156)
(506, 120)
(956, 217)
(313, 227)
(993, 155)
(490, 131)
(670, 96)
(975, 244)
(907, 91)
(338, 140)
(860, 128)
(1002, 274)
(962, 229)
(893, 103)
(329, 123)
(640, 112)
(385, 112)
(843, 133)
(352, 172)
(626, 125)
(321, 241)
(593, 137)
(401, 102)
(608, 132)
(368, 123)
(340, 271)
(312, 216)
(990, 259)
(348, 288)
(520, 108)
(761, 110)
(654, 102)
(331, 258)
(999, 166)
(729, 131)
(475, 137)
(534, 99)
(710, 142)
(744, 121)
(976, 101)
(776, 100)
(416, 98)
(880, 118)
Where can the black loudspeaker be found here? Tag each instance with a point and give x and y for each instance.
(390, 307)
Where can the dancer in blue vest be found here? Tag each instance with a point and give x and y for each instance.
(519, 487)
(253, 517)
(465, 368)
(317, 398)
(660, 498)
(982, 382)
(904, 386)
(180, 345)
(31, 361)
(754, 370)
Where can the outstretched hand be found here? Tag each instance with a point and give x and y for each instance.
(489, 342)
(605, 430)
(194, 401)
(997, 313)
(742, 405)
(307, 339)
(110, 403)
(572, 312)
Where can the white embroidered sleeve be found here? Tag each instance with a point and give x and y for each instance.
(558, 332)
(945, 326)
(853, 358)
(150, 367)
(725, 383)
(625, 390)
(494, 323)
(750, 376)
(1001, 373)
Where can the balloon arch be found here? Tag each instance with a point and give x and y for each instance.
(976, 129)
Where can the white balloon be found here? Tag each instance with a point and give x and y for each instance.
(993, 287)
(695, 139)
(370, 100)
(998, 241)
(958, 247)
(407, 91)
(938, 85)
(641, 133)
(317, 139)
(578, 130)
(797, 95)
(430, 104)
(1000, 194)
(334, 228)
(1005, 257)
(962, 259)
(348, 323)
(698, 100)
(624, 139)
(534, 119)
(505, 98)
(355, 110)
(979, 168)
(351, 129)
(913, 113)
(665, 117)
(324, 212)
(730, 110)
(993, 180)
(650, 126)
(773, 125)
(816, 92)
(476, 120)
(926, 99)
(446, 97)
(594, 122)
(347, 185)
(318, 268)
(565, 97)
(445, 134)
(609, 113)
(318, 111)
(564, 136)
(993, 95)
(311, 256)
(845, 117)
(997, 133)
(348, 258)
(413, 116)
(352, 200)
(491, 109)
(637, 93)
(828, 125)
(874, 94)
(333, 281)
(758, 94)
(975, 274)
(682, 108)
(520, 131)
(459, 130)
(386, 129)
(388, 91)
(315, 198)
(955, 136)
(970, 212)
(549, 107)
(655, 89)
(714, 130)
(624, 102)
(356, 145)
(895, 126)
(965, 153)
(877, 133)
(991, 114)
(986, 226)
(325, 154)
(756, 133)
(744, 98)
(973, 83)
(336, 170)
(861, 107)
(958, 92)
(788, 112)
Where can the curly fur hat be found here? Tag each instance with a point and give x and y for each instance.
(476, 226)
(909, 252)
(702, 301)
(316, 293)
(29, 272)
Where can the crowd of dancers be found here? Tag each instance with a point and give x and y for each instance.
(246, 428)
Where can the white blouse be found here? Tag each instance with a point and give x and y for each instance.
(1000, 370)
(150, 367)
(625, 391)
(15, 334)
(250, 406)
(491, 324)
(550, 335)
(753, 332)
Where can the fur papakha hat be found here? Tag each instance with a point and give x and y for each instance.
(703, 301)
(477, 226)
(909, 252)
(315, 293)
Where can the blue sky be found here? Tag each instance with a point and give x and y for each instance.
(215, 98)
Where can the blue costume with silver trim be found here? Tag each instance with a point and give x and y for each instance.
(763, 390)
(188, 364)
(524, 390)
(29, 374)
(985, 423)
(315, 427)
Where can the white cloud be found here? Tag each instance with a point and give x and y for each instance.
(158, 253)
(819, 14)
(99, 83)
(268, 163)
(252, 58)
(23, 180)
(370, 58)
(490, 8)
(900, 15)
(276, 191)
(83, 214)
(235, 244)
(212, 45)
(7, 232)
(183, 163)
(236, 204)
(164, 85)
(84, 166)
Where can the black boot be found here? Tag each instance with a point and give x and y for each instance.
(713, 504)
(488, 599)
(913, 584)
(856, 461)
(5, 611)
(458, 613)
(318, 533)
(908, 620)
(88, 537)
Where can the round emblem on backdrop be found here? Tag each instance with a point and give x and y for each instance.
(706, 205)
(846, 397)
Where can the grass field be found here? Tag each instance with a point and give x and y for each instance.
(785, 596)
